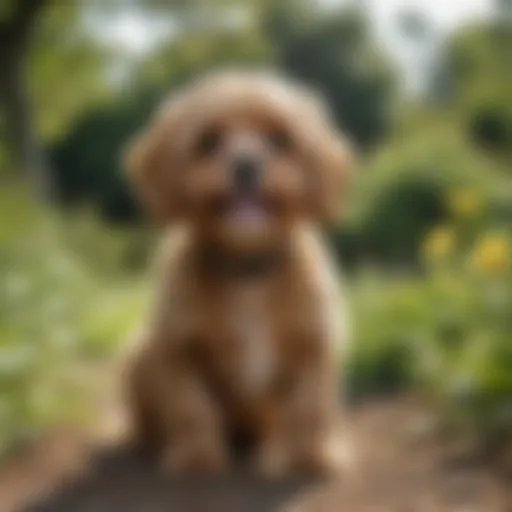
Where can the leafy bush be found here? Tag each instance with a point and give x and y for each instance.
(402, 194)
(66, 304)
(57, 317)
(447, 333)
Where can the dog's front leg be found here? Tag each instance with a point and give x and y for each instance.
(298, 422)
(313, 410)
(195, 442)
(171, 404)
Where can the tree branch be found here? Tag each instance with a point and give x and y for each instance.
(16, 28)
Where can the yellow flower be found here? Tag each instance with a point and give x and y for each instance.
(439, 244)
(464, 202)
(492, 254)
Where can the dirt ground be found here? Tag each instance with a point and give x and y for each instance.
(399, 465)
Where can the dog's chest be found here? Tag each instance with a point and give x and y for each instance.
(255, 356)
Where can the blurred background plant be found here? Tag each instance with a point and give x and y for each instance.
(424, 92)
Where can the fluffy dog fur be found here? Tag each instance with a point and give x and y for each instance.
(244, 333)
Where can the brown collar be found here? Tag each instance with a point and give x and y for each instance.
(221, 264)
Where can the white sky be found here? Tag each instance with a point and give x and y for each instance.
(136, 35)
(443, 17)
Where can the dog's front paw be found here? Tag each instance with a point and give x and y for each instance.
(273, 460)
(190, 459)
(327, 458)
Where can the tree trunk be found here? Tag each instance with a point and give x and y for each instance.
(14, 98)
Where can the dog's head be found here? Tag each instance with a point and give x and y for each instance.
(244, 156)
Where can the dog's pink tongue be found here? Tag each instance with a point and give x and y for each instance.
(247, 210)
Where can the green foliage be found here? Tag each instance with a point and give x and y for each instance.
(477, 73)
(458, 348)
(200, 50)
(436, 199)
(341, 59)
(67, 302)
(447, 333)
(335, 54)
(7, 9)
(66, 68)
(403, 192)
(87, 162)
(58, 315)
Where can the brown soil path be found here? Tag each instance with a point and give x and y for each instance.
(399, 466)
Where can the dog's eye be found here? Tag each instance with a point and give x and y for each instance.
(209, 143)
(279, 140)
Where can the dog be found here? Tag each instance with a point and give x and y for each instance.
(244, 336)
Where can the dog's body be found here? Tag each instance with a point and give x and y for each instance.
(245, 332)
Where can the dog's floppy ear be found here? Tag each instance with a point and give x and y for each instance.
(151, 164)
(331, 164)
(334, 162)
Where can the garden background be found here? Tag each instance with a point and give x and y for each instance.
(425, 94)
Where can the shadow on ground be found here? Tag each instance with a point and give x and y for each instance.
(401, 464)
(118, 481)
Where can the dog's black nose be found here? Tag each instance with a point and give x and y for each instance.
(246, 173)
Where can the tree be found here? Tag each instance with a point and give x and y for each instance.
(53, 71)
(86, 160)
(17, 23)
(477, 76)
(338, 56)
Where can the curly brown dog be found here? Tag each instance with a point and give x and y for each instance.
(243, 168)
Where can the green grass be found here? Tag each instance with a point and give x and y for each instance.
(58, 314)
(68, 301)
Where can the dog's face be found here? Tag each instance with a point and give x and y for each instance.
(243, 156)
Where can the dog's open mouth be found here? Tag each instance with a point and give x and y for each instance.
(247, 210)
(244, 211)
